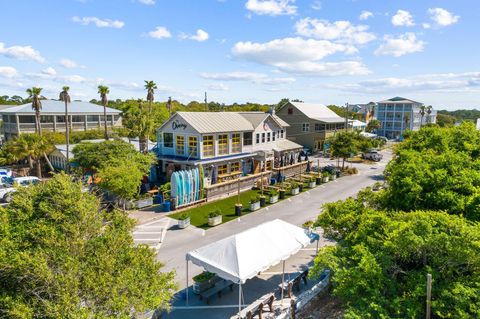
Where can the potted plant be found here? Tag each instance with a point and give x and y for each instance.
(294, 188)
(312, 183)
(274, 196)
(215, 218)
(203, 281)
(325, 176)
(183, 221)
(254, 203)
(281, 193)
(333, 176)
(263, 200)
(308, 225)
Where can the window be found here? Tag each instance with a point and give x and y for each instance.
(208, 147)
(46, 118)
(235, 167)
(180, 145)
(223, 144)
(257, 138)
(78, 118)
(192, 146)
(273, 136)
(60, 119)
(92, 118)
(319, 127)
(236, 143)
(263, 137)
(116, 118)
(290, 111)
(26, 119)
(247, 138)
(305, 127)
(5, 118)
(222, 169)
(281, 134)
(268, 137)
(167, 139)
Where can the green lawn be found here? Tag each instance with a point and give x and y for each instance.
(199, 215)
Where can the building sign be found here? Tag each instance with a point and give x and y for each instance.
(266, 127)
(177, 125)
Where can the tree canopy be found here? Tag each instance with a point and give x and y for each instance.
(424, 222)
(381, 261)
(62, 257)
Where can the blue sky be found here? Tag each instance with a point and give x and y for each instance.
(328, 51)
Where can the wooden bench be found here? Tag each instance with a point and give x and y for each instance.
(257, 308)
(216, 290)
(294, 283)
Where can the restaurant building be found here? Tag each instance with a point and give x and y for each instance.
(227, 145)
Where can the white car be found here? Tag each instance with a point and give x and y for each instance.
(7, 189)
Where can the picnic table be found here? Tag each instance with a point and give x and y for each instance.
(257, 308)
(294, 283)
(216, 290)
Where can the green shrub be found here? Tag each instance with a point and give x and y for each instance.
(254, 199)
(184, 216)
(204, 276)
(215, 213)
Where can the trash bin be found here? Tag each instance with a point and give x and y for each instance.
(158, 199)
(166, 206)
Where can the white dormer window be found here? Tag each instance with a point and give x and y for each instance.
(305, 127)
(273, 136)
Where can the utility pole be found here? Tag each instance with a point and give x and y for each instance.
(169, 105)
(429, 296)
(346, 117)
(206, 103)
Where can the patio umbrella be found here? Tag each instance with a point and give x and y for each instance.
(279, 177)
(306, 157)
(291, 159)
(281, 161)
(214, 177)
(308, 167)
(300, 157)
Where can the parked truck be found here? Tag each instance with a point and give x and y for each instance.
(372, 155)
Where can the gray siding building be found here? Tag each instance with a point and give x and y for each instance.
(310, 124)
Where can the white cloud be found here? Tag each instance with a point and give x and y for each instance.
(100, 23)
(160, 33)
(271, 7)
(442, 17)
(21, 52)
(426, 25)
(8, 72)
(316, 5)
(300, 56)
(147, 2)
(199, 36)
(365, 15)
(72, 78)
(257, 78)
(442, 82)
(288, 50)
(126, 85)
(342, 31)
(401, 45)
(217, 87)
(70, 64)
(403, 19)
(49, 71)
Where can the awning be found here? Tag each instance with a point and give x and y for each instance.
(286, 145)
(242, 256)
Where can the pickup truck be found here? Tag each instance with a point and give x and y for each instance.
(10, 186)
(372, 155)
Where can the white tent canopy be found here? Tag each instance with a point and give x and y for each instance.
(242, 256)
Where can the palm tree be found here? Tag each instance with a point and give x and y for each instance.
(65, 97)
(34, 94)
(103, 91)
(150, 86)
(422, 114)
(33, 147)
(429, 111)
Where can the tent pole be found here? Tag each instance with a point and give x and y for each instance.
(239, 299)
(283, 281)
(317, 245)
(186, 288)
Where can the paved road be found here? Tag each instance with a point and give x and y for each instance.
(296, 210)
